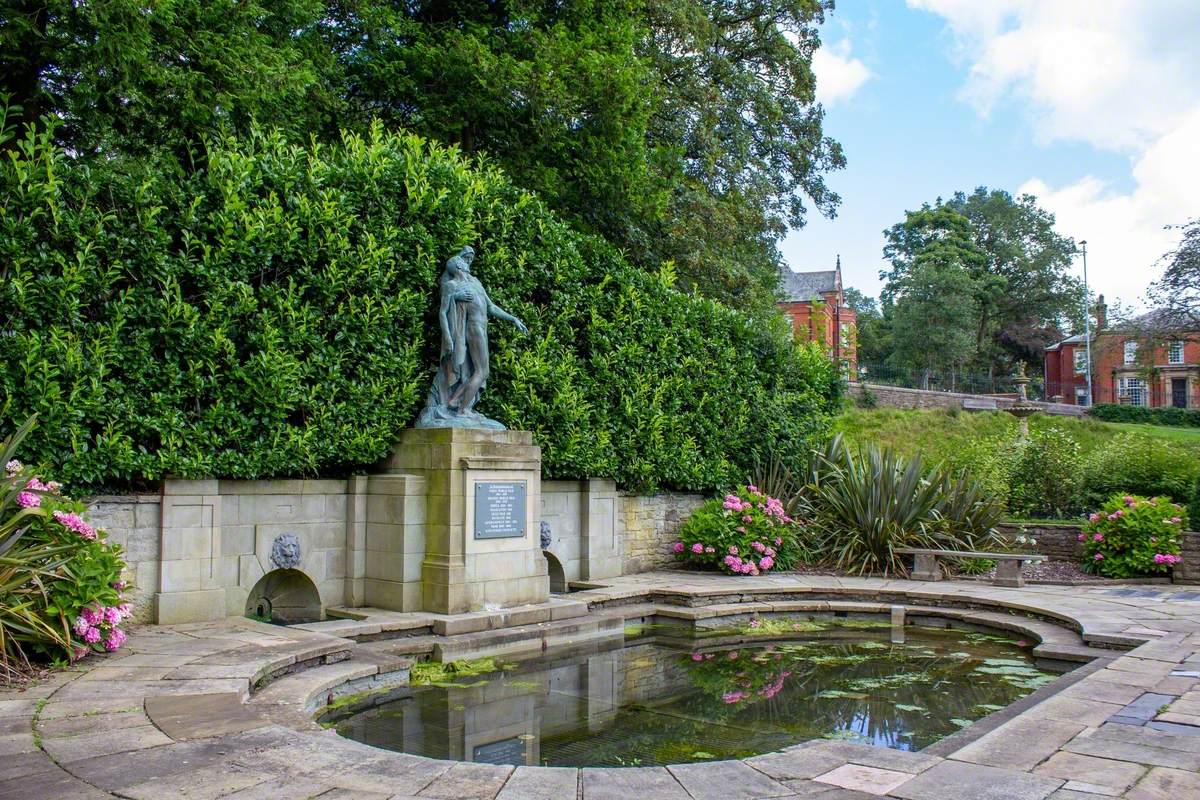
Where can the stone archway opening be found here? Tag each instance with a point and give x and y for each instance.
(285, 597)
(558, 578)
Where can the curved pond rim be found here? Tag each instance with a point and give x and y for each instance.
(770, 635)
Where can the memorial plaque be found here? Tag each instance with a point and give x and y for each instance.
(499, 509)
(505, 751)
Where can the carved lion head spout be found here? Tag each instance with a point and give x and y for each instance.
(285, 551)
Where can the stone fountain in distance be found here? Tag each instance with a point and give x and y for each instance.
(1022, 409)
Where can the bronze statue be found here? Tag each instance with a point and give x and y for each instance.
(463, 368)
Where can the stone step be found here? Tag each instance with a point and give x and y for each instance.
(315, 688)
(529, 639)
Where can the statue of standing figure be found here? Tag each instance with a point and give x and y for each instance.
(463, 368)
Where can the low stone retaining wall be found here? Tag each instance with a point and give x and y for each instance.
(1060, 542)
(902, 397)
(206, 544)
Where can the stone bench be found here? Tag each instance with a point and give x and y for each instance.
(1008, 565)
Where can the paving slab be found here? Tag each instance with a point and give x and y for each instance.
(801, 762)
(1104, 775)
(541, 783)
(468, 782)
(871, 780)
(199, 716)
(1166, 784)
(958, 780)
(1021, 743)
(629, 783)
(726, 780)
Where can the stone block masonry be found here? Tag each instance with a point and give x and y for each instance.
(902, 397)
(1061, 543)
(197, 550)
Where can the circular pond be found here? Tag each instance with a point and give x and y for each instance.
(666, 700)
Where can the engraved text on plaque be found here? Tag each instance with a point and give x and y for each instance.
(499, 509)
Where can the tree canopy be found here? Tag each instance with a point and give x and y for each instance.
(1015, 271)
(1177, 293)
(682, 131)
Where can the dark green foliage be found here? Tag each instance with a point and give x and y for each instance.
(679, 130)
(1134, 464)
(1194, 503)
(1175, 417)
(271, 315)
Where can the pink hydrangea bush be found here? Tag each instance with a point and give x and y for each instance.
(747, 533)
(1132, 536)
(86, 593)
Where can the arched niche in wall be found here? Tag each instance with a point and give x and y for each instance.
(285, 597)
(558, 578)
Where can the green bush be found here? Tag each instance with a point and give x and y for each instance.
(60, 581)
(1134, 464)
(1131, 536)
(1176, 417)
(272, 315)
(746, 533)
(1045, 475)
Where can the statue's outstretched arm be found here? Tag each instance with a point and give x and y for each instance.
(499, 313)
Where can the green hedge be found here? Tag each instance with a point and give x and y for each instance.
(272, 315)
(1177, 417)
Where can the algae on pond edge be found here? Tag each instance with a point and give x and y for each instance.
(444, 674)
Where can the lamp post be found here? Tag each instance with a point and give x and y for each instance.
(1087, 323)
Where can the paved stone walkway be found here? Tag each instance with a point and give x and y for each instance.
(224, 710)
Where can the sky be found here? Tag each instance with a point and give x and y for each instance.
(1092, 106)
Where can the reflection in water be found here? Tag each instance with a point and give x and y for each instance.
(657, 703)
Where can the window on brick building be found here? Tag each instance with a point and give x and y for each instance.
(1080, 362)
(1175, 353)
(1134, 390)
(1130, 352)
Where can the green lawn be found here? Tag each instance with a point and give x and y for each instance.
(936, 434)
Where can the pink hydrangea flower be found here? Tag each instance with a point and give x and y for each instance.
(28, 500)
(1093, 517)
(710, 550)
(1098, 557)
(1099, 537)
(116, 637)
(111, 615)
(766, 563)
(81, 626)
(778, 542)
(733, 551)
(13, 467)
(697, 656)
(54, 487)
(758, 546)
(91, 635)
(697, 548)
(747, 518)
(755, 623)
(678, 547)
(1080, 537)
(90, 615)
(126, 610)
(752, 489)
(36, 484)
(740, 528)
(75, 522)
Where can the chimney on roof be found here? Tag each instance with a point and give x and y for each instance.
(1101, 312)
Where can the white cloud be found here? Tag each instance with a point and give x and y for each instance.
(839, 75)
(1119, 75)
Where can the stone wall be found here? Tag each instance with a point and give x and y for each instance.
(199, 549)
(649, 524)
(134, 522)
(901, 397)
(1061, 543)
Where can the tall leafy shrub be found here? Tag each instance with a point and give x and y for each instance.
(1045, 475)
(271, 315)
(1134, 464)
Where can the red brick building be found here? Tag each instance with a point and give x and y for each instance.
(816, 306)
(1126, 367)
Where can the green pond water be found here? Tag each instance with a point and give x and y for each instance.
(655, 702)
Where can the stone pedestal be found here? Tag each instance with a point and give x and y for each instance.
(190, 587)
(482, 506)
